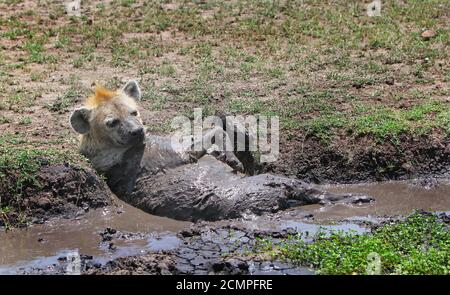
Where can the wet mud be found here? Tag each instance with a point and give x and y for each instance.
(62, 191)
(200, 249)
(392, 198)
(134, 231)
(362, 159)
(125, 240)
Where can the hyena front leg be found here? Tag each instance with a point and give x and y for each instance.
(216, 143)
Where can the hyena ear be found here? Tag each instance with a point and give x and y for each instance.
(132, 89)
(79, 120)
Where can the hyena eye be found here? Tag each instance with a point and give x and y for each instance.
(112, 122)
(134, 113)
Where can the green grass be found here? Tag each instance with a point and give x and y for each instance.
(167, 69)
(18, 102)
(20, 159)
(18, 165)
(418, 245)
(25, 121)
(37, 54)
(67, 99)
(4, 120)
(316, 64)
(382, 123)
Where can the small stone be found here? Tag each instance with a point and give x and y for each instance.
(186, 233)
(428, 34)
(407, 166)
(218, 266)
(106, 238)
(185, 268)
(72, 8)
(44, 203)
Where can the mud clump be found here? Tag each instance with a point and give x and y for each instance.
(55, 191)
(426, 183)
(149, 264)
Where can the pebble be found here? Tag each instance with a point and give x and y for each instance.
(428, 34)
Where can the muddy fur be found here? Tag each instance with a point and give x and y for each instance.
(160, 180)
(168, 180)
(210, 190)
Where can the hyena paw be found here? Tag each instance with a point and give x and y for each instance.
(358, 199)
(346, 199)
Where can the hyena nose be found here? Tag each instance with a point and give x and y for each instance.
(138, 132)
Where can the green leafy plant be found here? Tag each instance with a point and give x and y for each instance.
(420, 244)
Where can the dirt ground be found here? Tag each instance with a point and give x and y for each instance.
(60, 191)
(359, 98)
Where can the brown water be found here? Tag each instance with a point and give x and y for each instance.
(41, 245)
(57, 237)
(391, 198)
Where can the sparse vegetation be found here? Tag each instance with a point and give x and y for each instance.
(67, 99)
(327, 69)
(313, 64)
(20, 160)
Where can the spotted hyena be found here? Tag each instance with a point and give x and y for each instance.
(151, 173)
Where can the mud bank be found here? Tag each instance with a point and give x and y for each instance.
(201, 249)
(54, 191)
(362, 159)
(122, 239)
(90, 233)
(229, 248)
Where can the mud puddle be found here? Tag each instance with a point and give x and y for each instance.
(391, 198)
(136, 232)
(41, 245)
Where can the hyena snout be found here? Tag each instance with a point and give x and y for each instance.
(137, 133)
(132, 133)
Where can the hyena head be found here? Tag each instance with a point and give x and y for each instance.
(109, 124)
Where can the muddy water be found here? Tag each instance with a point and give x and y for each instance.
(47, 242)
(41, 245)
(391, 198)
